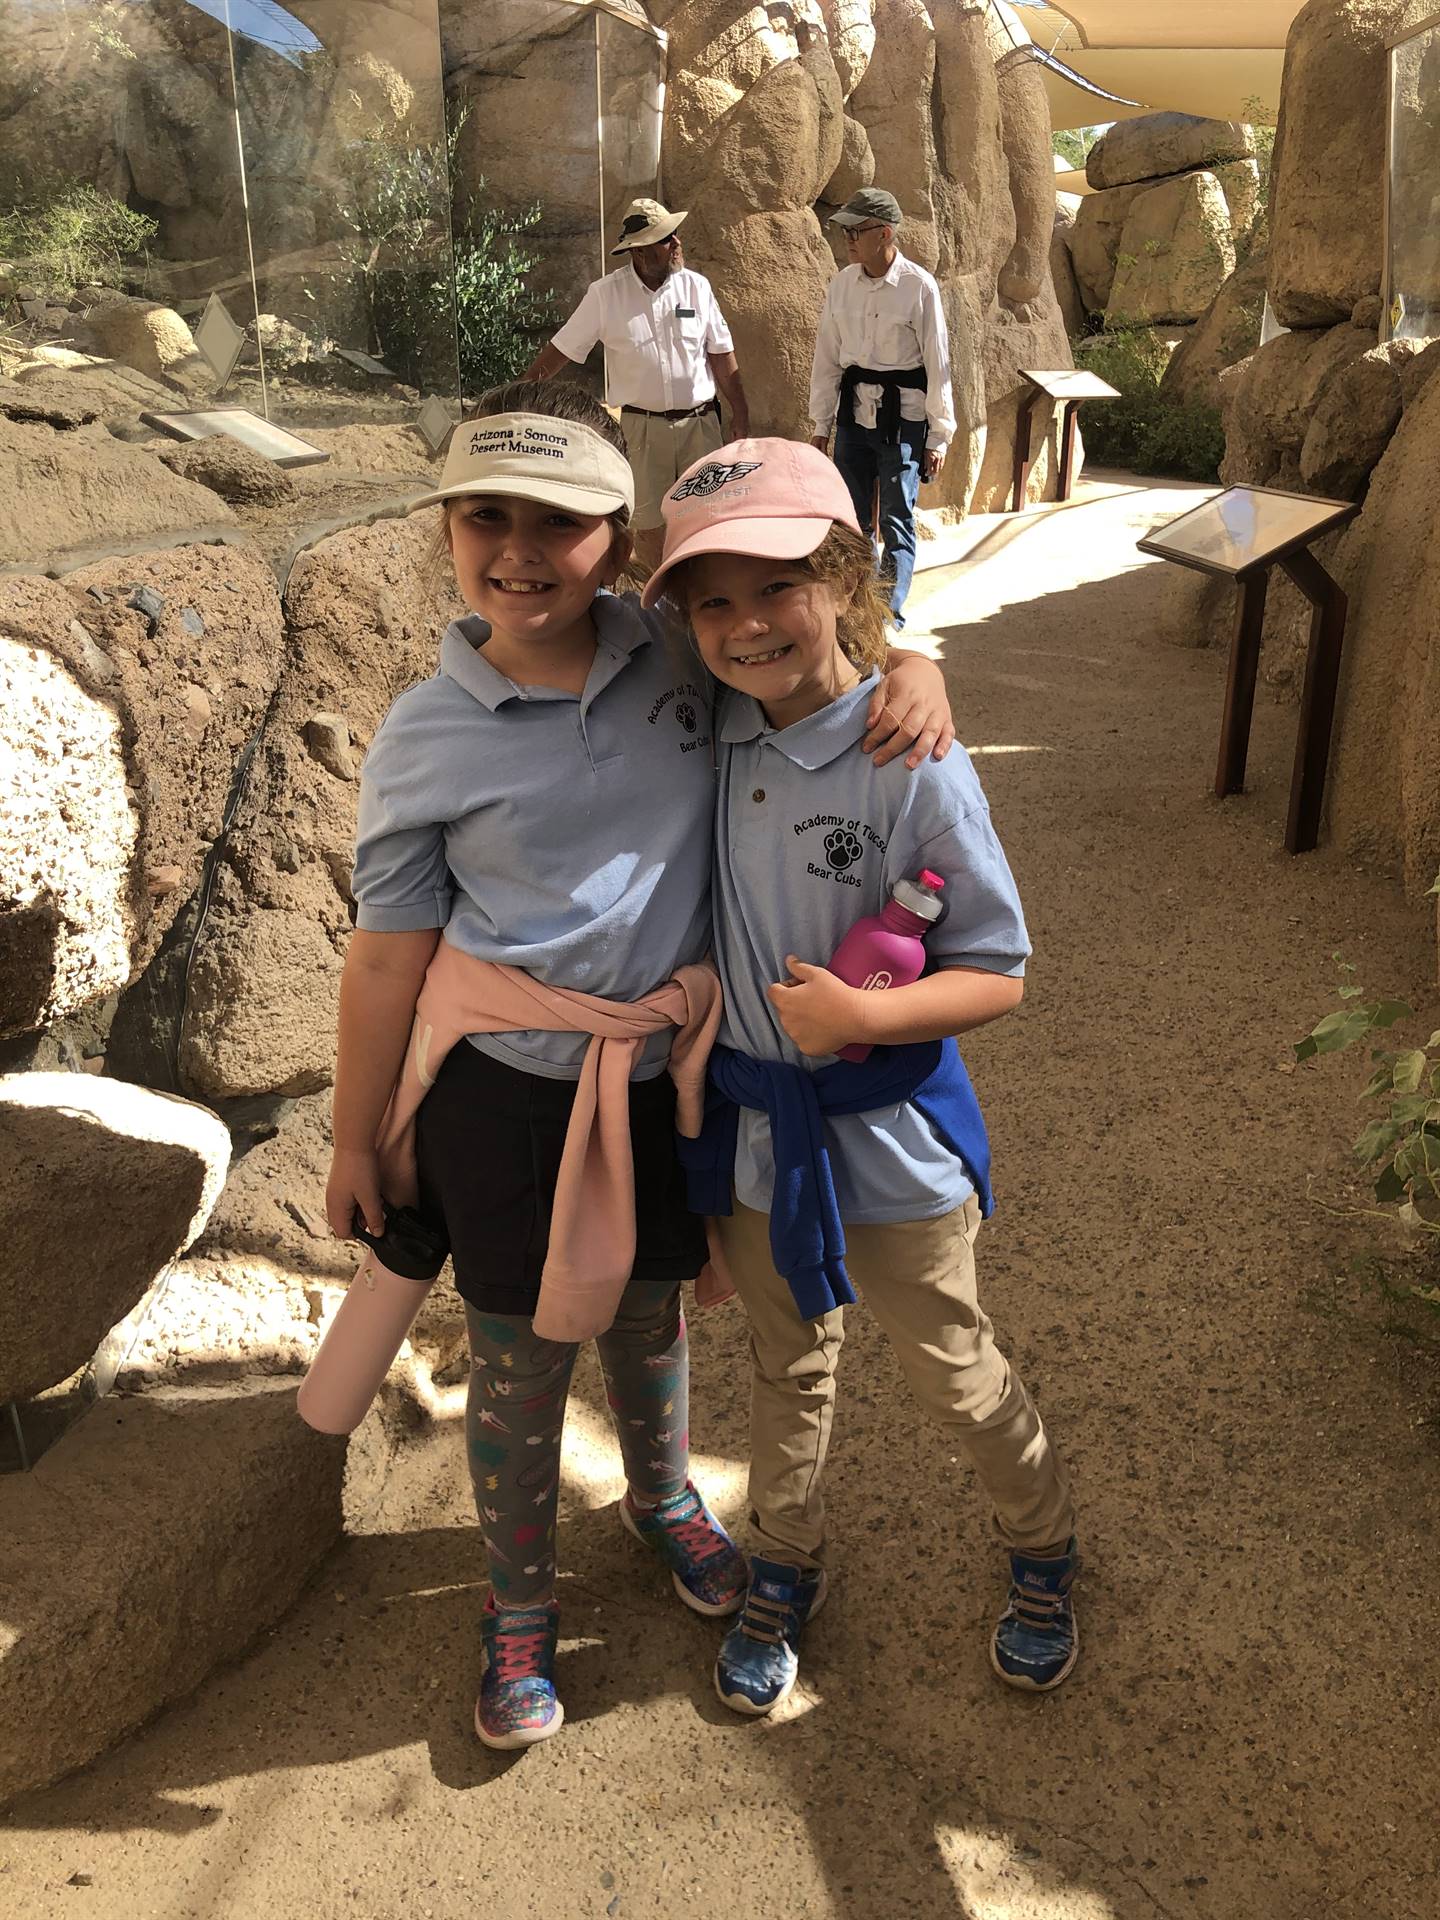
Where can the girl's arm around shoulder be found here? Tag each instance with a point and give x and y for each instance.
(821, 1013)
(910, 709)
(378, 990)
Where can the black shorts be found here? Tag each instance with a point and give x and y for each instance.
(488, 1141)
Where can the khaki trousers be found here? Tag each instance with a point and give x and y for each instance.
(918, 1279)
(660, 451)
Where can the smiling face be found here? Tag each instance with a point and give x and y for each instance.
(531, 570)
(769, 629)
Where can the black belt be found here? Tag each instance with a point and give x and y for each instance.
(711, 405)
(887, 419)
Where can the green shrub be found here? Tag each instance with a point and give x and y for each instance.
(1145, 431)
(396, 211)
(70, 234)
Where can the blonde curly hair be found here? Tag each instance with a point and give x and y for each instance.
(844, 561)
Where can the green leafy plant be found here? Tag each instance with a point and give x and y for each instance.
(1073, 144)
(1399, 1147)
(69, 234)
(1144, 430)
(412, 267)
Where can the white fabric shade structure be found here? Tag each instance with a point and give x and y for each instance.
(1210, 57)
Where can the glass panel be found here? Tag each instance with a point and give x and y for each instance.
(314, 282)
(522, 85)
(1242, 526)
(1413, 189)
(120, 182)
(347, 171)
(632, 99)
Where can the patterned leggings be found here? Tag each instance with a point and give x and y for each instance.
(515, 1414)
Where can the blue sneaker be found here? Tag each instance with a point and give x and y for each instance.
(1037, 1642)
(518, 1704)
(706, 1566)
(760, 1655)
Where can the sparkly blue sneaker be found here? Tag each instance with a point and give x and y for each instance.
(760, 1655)
(518, 1704)
(1036, 1642)
(706, 1566)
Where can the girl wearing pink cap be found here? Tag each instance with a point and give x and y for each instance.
(819, 1167)
(532, 882)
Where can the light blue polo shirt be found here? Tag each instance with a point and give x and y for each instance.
(811, 835)
(567, 835)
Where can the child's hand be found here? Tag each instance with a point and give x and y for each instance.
(910, 708)
(354, 1187)
(816, 1008)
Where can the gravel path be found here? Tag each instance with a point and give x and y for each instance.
(1251, 1726)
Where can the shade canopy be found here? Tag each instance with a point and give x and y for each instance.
(1221, 59)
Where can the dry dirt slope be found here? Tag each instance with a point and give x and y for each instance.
(1248, 1730)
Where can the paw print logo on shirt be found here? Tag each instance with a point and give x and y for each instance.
(685, 714)
(842, 849)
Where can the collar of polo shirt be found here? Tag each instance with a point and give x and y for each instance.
(810, 743)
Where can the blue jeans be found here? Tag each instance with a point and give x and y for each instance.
(864, 460)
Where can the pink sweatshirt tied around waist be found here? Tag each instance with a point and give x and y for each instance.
(592, 1229)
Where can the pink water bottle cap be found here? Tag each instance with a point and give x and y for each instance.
(928, 879)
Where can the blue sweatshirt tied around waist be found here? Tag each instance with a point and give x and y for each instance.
(807, 1240)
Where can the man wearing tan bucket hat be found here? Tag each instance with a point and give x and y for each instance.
(667, 349)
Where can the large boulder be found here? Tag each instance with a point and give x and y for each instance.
(364, 620)
(132, 690)
(1095, 241)
(1384, 786)
(231, 469)
(1227, 332)
(76, 489)
(1176, 252)
(1153, 145)
(1327, 180)
(102, 1185)
(1240, 184)
(68, 822)
(150, 338)
(161, 1535)
(1273, 401)
(1356, 411)
(1062, 273)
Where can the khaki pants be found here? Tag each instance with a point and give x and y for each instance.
(660, 451)
(918, 1279)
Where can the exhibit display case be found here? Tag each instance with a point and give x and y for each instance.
(1412, 186)
(242, 205)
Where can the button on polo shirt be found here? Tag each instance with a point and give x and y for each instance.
(656, 341)
(834, 836)
(566, 835)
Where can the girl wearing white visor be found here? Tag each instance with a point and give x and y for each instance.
(533, 869)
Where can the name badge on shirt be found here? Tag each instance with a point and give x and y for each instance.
(685, 313)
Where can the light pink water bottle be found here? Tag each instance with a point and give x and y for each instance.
(359, 1347)
(887, 949)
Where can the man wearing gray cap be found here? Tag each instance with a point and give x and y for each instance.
(667, 348)
(881, 381)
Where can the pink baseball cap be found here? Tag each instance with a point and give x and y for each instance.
(774, 498)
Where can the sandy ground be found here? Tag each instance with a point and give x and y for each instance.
(1250, 1729)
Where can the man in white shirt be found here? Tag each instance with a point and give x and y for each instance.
(881, 380)
(667, 349)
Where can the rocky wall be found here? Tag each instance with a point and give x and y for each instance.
(1326, 409)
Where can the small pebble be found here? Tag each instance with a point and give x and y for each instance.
(191, 621)
(607, 1879)
(147, 601)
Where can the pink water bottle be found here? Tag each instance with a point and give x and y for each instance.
(887, 949)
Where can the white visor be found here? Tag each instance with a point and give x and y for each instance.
(532, 456)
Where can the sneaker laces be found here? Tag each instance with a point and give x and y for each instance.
(1038, 1609)
(519, 1650)
(765, 1619)
(690, 1526)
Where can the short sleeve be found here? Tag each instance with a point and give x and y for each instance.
(717, 334)
(577, 338)
(950, 832)
(401, 880)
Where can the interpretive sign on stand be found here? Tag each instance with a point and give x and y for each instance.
(1068, 386)
(1241, 534)
(261, 436)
